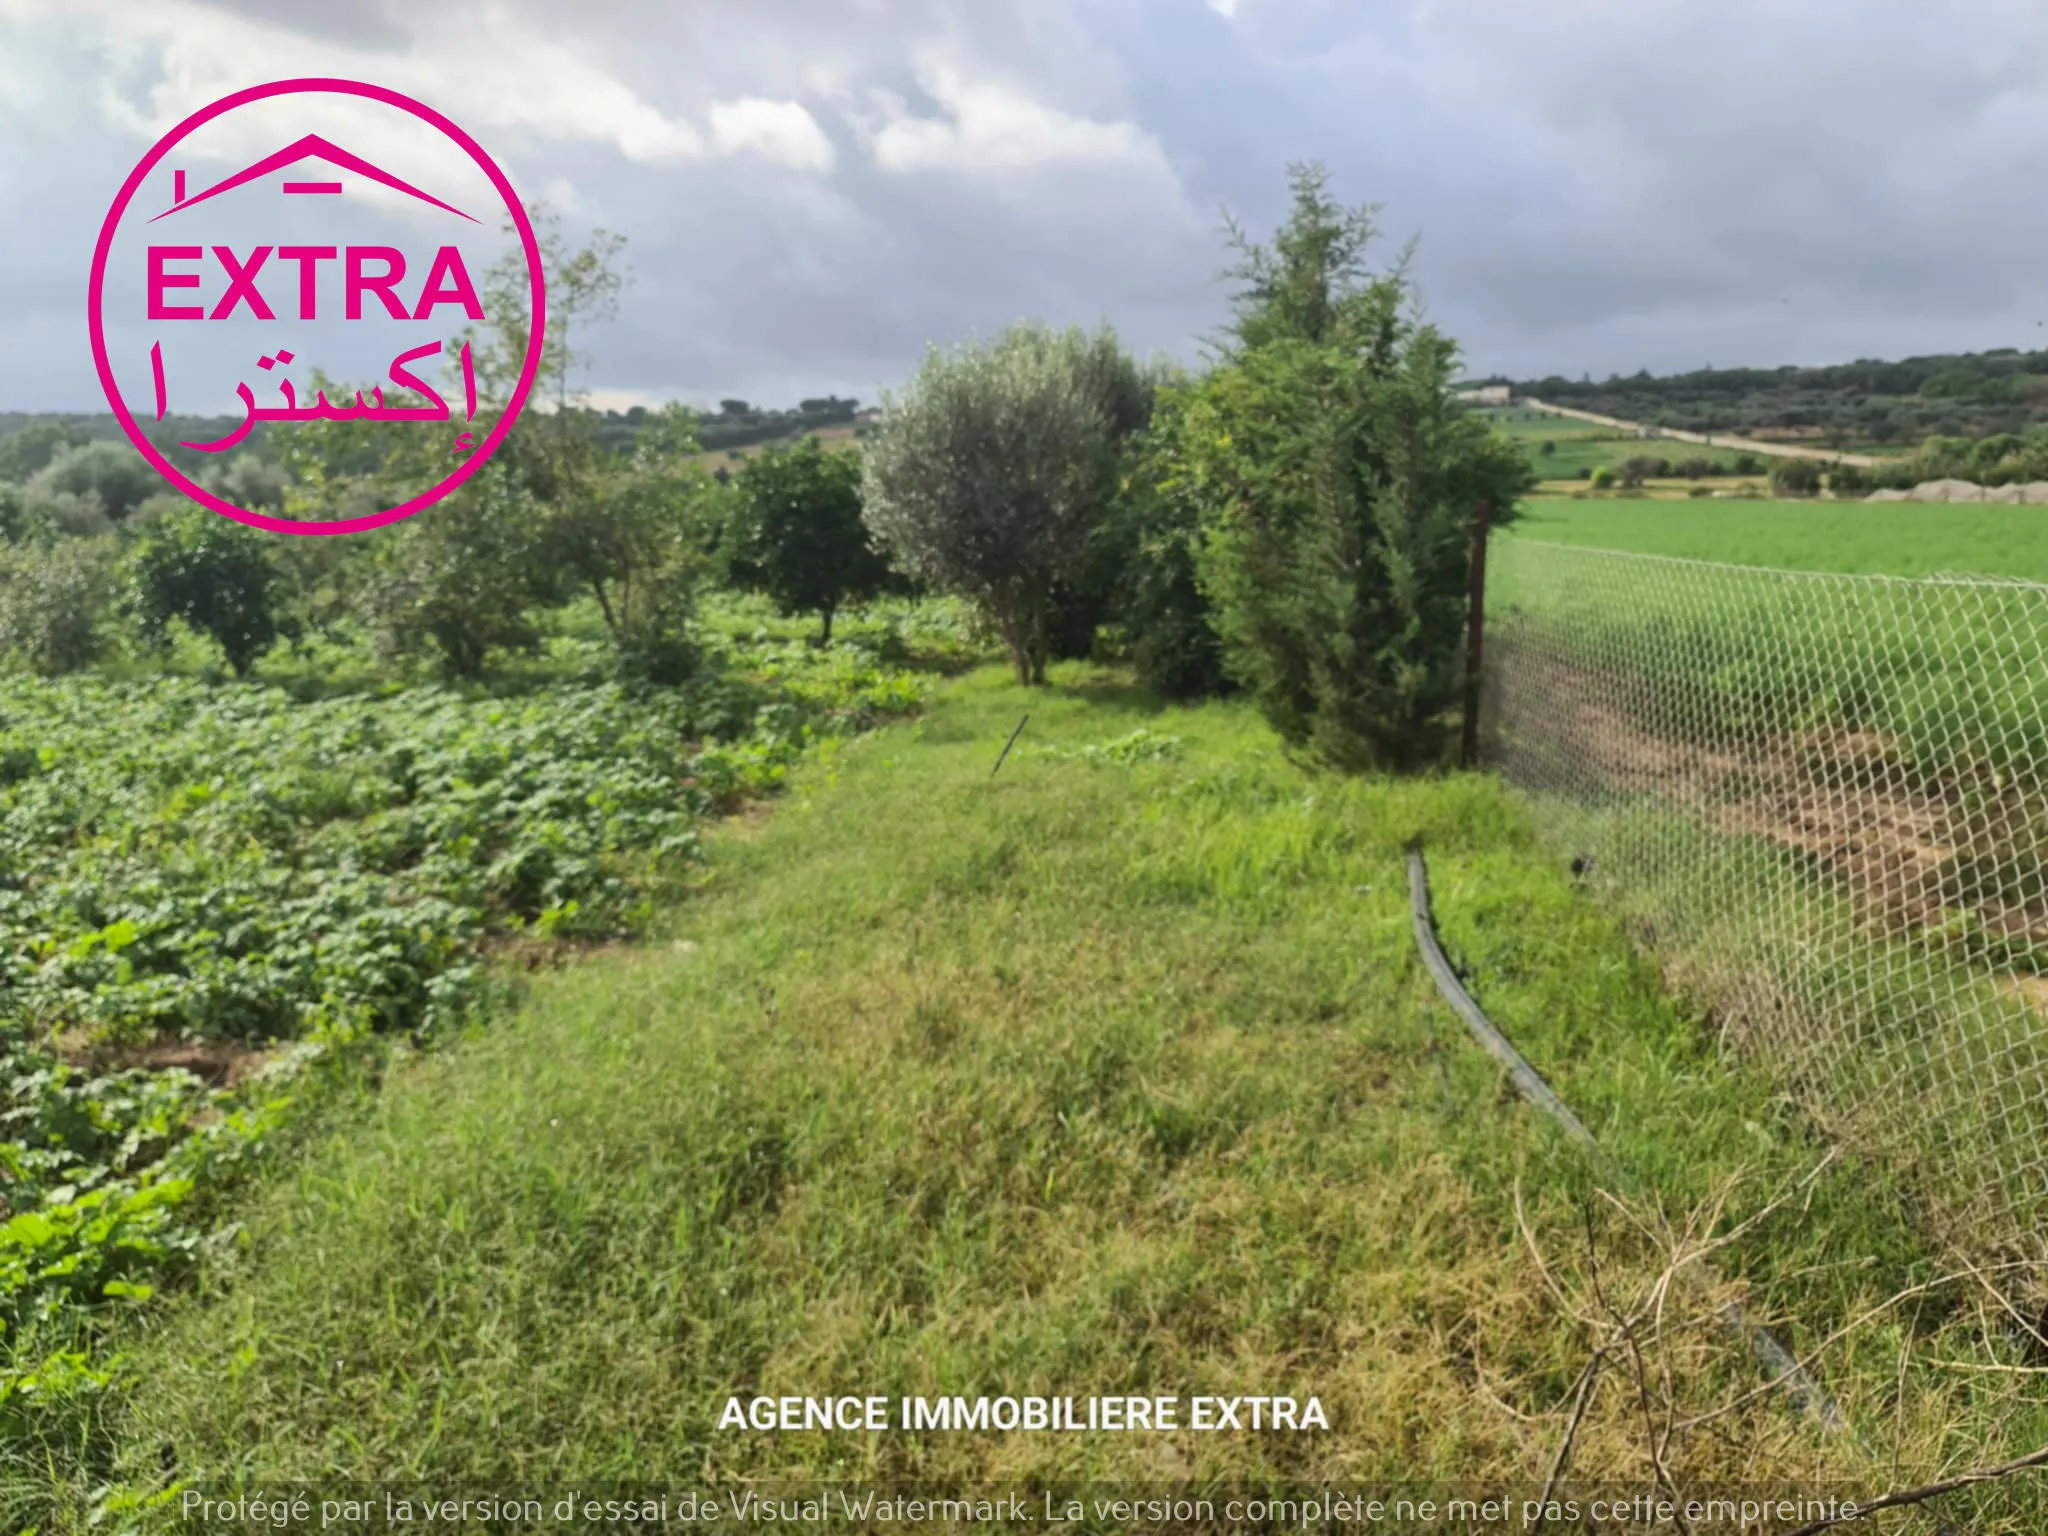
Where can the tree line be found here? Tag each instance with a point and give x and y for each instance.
(1292, 519)
(1869, 401)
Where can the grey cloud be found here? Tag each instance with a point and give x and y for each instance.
(1597, 185)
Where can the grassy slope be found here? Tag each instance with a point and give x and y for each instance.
(1097, 1077)
(1898, 539)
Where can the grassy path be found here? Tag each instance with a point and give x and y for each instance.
(1115, 1074)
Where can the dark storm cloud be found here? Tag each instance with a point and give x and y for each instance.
(816, 189)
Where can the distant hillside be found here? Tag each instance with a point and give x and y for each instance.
(731, 424)
(28, 441)
(1847, 405)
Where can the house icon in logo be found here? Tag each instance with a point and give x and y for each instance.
(311, 147)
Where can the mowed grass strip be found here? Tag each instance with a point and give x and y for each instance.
(1100, 1077)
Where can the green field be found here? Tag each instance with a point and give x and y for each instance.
(1581, 445)
(1115, 1073)
(1890, 539)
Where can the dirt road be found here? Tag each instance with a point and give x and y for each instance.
(1776, 450)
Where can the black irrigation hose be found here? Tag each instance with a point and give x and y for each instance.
(1006, 747)
(1777, 1360)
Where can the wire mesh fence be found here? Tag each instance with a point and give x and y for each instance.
(1823, 801)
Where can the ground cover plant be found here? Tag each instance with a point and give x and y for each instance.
(1113, 1073)
(211, 890)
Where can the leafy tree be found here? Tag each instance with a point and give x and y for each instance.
(111, 476)
(583, 286)
(463, 578)
(17, 524)
(464, 581)
(1154, 538)
(799, 533)
(1548, 448)
(1796, 477)
(55, 601)
(1848, 480)
(1637, 468)
(634, 531)
(989, 473)
(251, 482)
(24, 453)
(1604, 479)
(1337, 480)
(215, 574)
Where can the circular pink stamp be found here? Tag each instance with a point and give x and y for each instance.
(370, 275)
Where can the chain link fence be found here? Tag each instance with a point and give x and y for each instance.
(1823, 801)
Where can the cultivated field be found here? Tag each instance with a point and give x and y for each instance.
(1891, 539)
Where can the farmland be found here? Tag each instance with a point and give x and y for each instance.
(1579, 448)
(1862, 406)
(1112, 1073)
(1891, 539)
(216, 896)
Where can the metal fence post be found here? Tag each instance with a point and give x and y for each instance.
(1475, 642)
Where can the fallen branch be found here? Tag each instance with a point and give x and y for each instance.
(1921, 1495)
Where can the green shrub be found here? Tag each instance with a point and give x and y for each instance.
(113, 477)
(216, 574)
(1336, 481)
(55, 603)
(1796, 477)
(798, 533)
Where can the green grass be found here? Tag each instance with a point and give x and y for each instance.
(1582, 445)
(1882, 538)
(262, 884)
(1116, 1073)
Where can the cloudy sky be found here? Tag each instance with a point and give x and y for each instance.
(813, 190)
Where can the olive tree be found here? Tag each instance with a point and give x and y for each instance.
(989, 472)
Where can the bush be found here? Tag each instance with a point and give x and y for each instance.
(112, 477)
(1604, 479)
(463, 582)
(54, 604)
(798, 534)
(1796, 477)
(215, 574)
